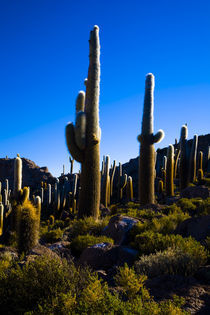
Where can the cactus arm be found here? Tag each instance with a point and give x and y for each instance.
(80, 102)
(123, 181)
(80, 130)
(76, 153)
(158, 136)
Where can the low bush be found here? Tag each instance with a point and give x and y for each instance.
(87, 226)
(52, 235)
(130, 282)
(81, 242)
(164, 224)
(171, 261)
(186, 205)
(149, 242)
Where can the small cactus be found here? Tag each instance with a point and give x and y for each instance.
(112, 173)
(129, 189)
(147, 150)
(1, 218)
(170, 171)
(184, 154)
(160, 188)
(105, 191)
(200, 160)
(122, 181)
(28, 227)
(192, 161)
(176, 160)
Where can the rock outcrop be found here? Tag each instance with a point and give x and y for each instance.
(32, 175)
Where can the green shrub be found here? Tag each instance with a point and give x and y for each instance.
(149, 242)
(81, 242)
(42, 284)
(87, 225)
(172, 209)
(132, 210)
(195, 206)
(164, 225)
(130, 282)
(186, 205)
(184, 261)
(52, 235)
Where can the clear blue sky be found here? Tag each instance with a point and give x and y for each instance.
(44, 61)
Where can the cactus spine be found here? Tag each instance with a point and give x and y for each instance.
(147, 150)
(192, 162)
(86, 149)
(170, 171)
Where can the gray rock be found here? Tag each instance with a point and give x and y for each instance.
(118, 228)
(105, 255)
(197, 227)
(195, 192)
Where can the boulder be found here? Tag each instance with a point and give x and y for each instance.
(195, 192)
(118, 228)
(104, 256)
(62, 249)
(197, 227)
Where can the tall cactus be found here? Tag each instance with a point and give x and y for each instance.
(17, 176)
(147, 150)
(192, 162)
(170, 171)
(83, 139)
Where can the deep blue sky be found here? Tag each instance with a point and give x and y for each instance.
(44, 61)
